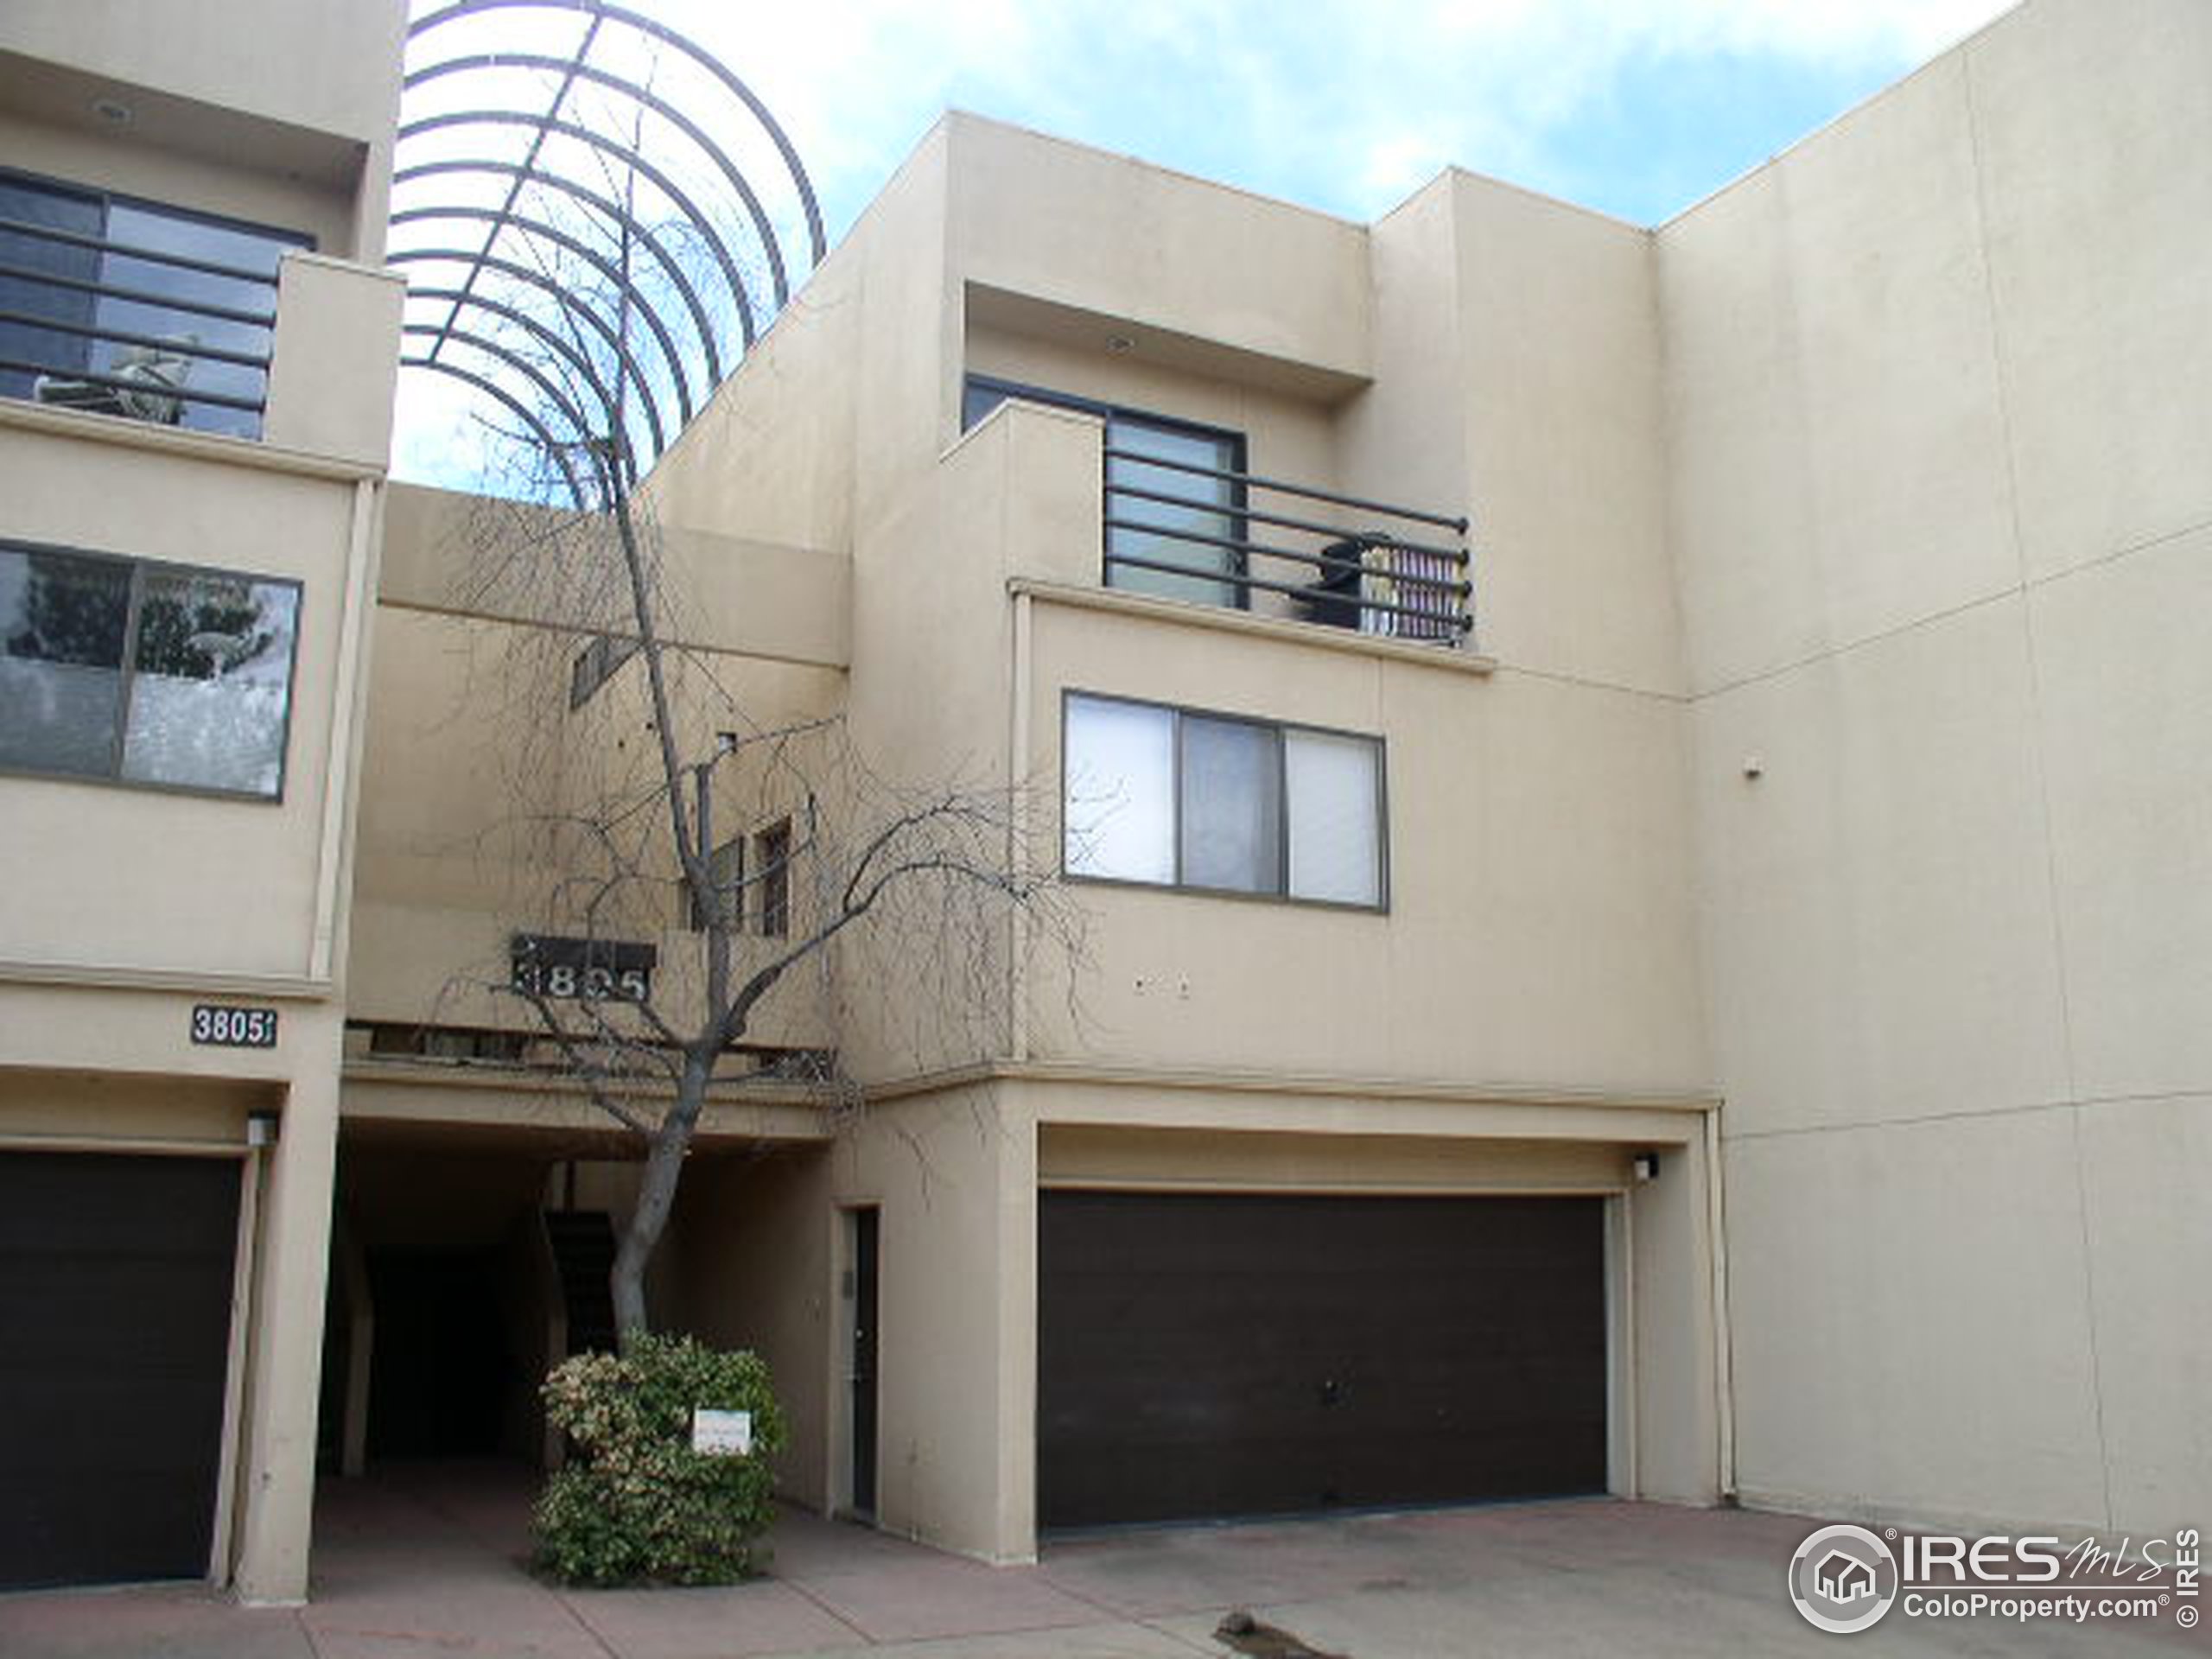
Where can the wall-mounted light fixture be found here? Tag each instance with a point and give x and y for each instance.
(1647, 1167)
(261, 1128)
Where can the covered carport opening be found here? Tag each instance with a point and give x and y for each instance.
(469, 1258)
(1203, 1355)
(466, 1260)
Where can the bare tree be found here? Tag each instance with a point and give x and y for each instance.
(938, 872)
(587, 313)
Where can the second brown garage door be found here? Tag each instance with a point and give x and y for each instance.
(1205, 1356)
(115, 1318)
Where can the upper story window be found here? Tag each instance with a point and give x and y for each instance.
(1176, 798)
(772, 853)
(595, 664)
(133, 309)
(1173, 531)
(146, 673)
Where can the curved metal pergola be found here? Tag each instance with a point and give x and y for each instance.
(550, 237)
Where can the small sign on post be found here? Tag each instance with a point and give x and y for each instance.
(721, 1434)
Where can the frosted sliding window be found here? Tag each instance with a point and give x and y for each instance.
(213, 691)
(62, 622)
(152, 674)
(1232, 805)
(1333, 789)
(1119, 817)
(1172, 797)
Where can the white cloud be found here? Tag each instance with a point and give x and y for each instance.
(1348, 105)
(1366, 99)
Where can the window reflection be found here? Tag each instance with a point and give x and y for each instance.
(61, 624)
(200, 700)
(96, 297)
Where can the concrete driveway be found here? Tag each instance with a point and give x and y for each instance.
(424, 1564)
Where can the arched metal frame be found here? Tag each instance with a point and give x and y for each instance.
(564, 349)
(607, 205)
(561, 238)
(599, 325)
(523, 249)
(521, 412)
(555, 399)
(660, 106)
(701, 226)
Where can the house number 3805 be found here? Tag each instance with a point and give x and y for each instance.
(225, 1027)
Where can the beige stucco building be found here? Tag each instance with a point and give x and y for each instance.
(1731, 1022)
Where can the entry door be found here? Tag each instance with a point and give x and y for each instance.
(115, 1325)
(863, 1337)
(1205, 1356)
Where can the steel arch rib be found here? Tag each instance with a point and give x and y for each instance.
(492, 348)
(582, 251)
(569, 307)
(523, 320)
(660, 106)
(515, 406)
(606, 204)
(659, 179)
(706, 61)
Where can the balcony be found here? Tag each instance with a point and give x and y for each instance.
(134, 309)
(1176, 528)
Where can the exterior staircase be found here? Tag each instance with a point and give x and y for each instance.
(583, 1251)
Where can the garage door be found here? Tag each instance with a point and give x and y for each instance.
(115, 1308)
(1211, 1355)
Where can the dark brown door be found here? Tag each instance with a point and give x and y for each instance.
(1204, 1355)
(115, 1317)
(866, 1231)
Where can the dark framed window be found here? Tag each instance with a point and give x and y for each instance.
(133, 308)
(595, 664)
(1137, 541)
(163, 674)
(1168, 796)
(774, 860)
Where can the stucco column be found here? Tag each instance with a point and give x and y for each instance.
(1014, 1524)
(277, 1483)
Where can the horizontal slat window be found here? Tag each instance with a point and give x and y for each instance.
(135, 308)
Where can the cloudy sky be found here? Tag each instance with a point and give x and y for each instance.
(1635, 107)
(1638, 107)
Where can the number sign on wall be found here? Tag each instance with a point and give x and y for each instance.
(597, 969)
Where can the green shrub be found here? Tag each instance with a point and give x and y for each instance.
(636, 1505)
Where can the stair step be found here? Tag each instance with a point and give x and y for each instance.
(584, 1253)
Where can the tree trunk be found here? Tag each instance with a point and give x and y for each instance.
(626, 1280)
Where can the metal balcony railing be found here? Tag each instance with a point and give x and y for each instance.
(1177, 529)
(132, 309)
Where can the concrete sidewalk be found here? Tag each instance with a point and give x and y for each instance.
(425, 1564)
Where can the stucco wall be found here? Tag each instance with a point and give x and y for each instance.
(264, 109)
(1936, 397)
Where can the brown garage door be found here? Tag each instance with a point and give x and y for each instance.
(1240, 1355)
(115, 1312)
